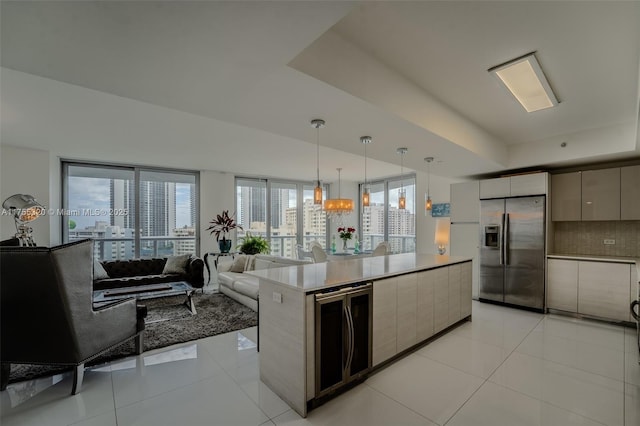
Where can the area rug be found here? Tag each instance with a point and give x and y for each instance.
(168, 322)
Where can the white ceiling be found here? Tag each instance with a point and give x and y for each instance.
(262, 70)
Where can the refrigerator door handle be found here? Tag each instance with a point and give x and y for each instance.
(500, 243)
(505, 244)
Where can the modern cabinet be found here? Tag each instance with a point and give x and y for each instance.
(529, 184)
(562, 285)
(384, 319)
(495, 188)
(603, 289)
(629, 193)
(465, 288)
(566, 197)
(410, 308)
(440, 299)
(425, 305)
(465, 202)
(407, 304)
(633, 289)
(465, 241)
(594, 288)
(455, 277)
(514, 186)
(601, 194)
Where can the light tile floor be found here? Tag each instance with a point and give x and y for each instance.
(507, 367)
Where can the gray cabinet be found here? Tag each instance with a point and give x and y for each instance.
(465, 202)
(495, 188)
(603, 289)
(441, 299)
(630, 193)
(424, 309)
(514, 186)
(566, 198)
(465, 289)
(455, 278)
(407, 305)
(601, 194)
(384, 320)
(529, 184)
(562, 285)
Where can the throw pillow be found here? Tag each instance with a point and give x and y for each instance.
(98, 271)
(176, 264)
(238, 263)
(248, 266)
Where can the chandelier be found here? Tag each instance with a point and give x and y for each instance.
(336, 207)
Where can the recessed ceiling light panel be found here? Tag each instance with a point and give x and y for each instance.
(526, 81)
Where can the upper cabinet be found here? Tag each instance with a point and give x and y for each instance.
(566, 197)
(514, 186)
(531, 184)
(495, 188)
(630, 193)
(605, 194)
(601, 194)
(465, 202)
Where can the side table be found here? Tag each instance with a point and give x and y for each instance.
(216, 256)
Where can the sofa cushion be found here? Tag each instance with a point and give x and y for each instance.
(133, 267)
(239, 263)
(98, 271)
(248, 286)
(135, 281)
(176, 264)
(259, 264)
(227, 278)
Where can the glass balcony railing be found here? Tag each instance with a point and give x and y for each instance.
(150, 247)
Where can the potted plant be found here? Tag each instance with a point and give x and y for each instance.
(254, 244)
(221, 225)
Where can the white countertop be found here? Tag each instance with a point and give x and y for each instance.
(319, 276)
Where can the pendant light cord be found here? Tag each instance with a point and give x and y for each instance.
(318, 155)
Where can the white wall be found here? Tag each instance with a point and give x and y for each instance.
(217, 193)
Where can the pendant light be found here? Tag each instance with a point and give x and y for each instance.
(366, 196)
(336, 207)
(317, 191)
(402, 195)
(428, 205)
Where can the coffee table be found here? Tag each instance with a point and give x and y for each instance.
(149, 291)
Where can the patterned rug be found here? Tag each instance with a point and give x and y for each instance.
(168, 322)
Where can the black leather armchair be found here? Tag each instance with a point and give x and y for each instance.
(47, 310)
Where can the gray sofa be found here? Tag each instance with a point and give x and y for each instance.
(243, 287)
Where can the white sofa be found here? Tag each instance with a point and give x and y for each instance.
(242, 287)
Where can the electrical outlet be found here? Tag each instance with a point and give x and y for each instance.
(277, 297)
(609, 242)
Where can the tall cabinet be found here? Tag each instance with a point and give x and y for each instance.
(465, 226)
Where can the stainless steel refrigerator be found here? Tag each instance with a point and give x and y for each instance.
(512, 251)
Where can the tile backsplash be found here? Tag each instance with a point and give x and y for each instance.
(588, 238)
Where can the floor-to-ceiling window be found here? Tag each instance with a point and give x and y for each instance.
(130, 211)
(383, 220)
(273, 208)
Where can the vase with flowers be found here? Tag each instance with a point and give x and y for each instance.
(345, 233)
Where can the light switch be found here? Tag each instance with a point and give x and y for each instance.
(277, 297)
(609, 242)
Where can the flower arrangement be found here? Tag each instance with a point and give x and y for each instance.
(346, 233)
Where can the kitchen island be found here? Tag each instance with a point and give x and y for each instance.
(407, 298)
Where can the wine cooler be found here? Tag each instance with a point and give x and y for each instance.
(343, 336)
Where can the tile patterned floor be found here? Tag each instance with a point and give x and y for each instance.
(507, 367)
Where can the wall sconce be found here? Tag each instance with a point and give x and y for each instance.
(442, 235)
